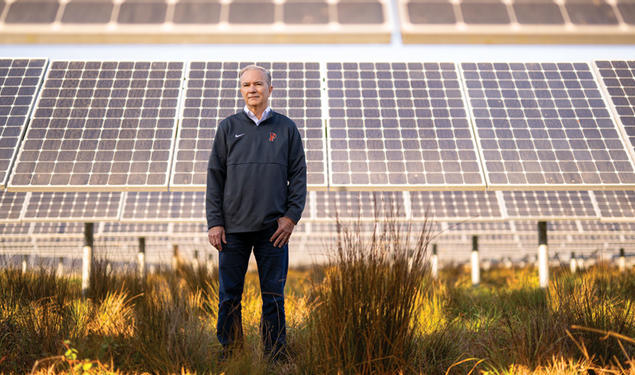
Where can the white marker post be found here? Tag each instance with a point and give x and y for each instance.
(60, 267)
(141, 258)
(434, 263)
(543, 255)
(573, 264)
(621, 261)
(87, 260)
(476, 270)
(25, 263)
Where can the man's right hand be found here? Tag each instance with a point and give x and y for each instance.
(216, 236)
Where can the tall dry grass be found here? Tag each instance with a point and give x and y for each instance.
(363, 320)
(373, 309)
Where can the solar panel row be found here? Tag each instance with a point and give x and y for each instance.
(112, 125)
(188, 207)
(338, 21)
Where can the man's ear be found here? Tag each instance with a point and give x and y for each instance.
(270, 89)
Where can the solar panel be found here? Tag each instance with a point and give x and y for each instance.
(568, 226)
(516, 21)
(475, 227)
(101, 126)
(163, 206)
(362, 205)
(48, 229)
(11, 205)
(399, 125)
(618, 78)
(196, 21)
(70, 206)
(212, 94)
(601, 226)
(454, 205)
(133, 229)
(19, 83)
(11, 229)
(616, 205)
(545, 125)
(549, 205)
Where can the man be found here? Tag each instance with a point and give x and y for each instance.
(256, 190)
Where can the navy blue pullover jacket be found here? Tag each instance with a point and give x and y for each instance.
(255, 174)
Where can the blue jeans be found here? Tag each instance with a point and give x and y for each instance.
(273, 263)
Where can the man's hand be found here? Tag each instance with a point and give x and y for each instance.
(216, 235)
(283, 233)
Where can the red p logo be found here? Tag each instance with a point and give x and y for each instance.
(272, 136)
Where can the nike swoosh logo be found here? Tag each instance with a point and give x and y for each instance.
(239, 135)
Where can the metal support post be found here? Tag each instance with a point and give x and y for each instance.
(573, 264)
(87, 260)
(25, 263)
(60, 267)
(195, 262)
(543, 255)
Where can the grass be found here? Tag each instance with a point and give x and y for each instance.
(372, 310)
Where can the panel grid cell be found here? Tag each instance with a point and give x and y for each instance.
(549, 204)
(11, 204)
(452, 205)
(19, 83)
(213, 93)
(619, 79)
(616, 204)
(13, 228)
(101, 125)
(72, 206)
(58, 228)
(164, 206)
(545, 124)
(402, 125)
(129, 229)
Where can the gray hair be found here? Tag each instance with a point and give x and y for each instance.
(256, 67)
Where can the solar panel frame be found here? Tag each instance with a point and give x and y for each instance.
(627, 177)
(227, 82)
(105, 72)
(4, 174)
(455, 205)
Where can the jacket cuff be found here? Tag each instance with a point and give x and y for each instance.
(211, 224)
(292, 216)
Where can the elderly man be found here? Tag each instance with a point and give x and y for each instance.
(256, 190)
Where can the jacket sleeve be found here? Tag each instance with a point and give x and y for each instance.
(296, 172)
(216, 175)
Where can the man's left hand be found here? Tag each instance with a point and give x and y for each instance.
(283, 233)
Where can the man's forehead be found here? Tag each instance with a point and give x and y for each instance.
(253, 75)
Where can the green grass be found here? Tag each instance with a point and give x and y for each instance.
(372, 310)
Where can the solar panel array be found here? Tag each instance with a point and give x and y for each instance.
(517, 21)
(212, 93)
(422, 129)
(19, 83)
(108, 124)
(193, 21)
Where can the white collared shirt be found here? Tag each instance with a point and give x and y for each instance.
(254, 118)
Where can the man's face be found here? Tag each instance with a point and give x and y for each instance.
(254, 88)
